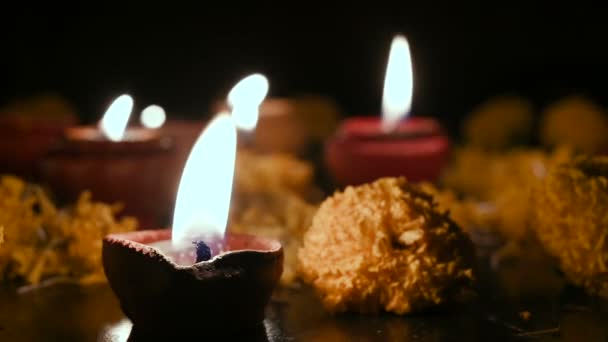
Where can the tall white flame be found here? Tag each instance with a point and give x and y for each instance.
(203, 197)
(114, 121)
(245, 99)
(153, 116)
(398, 84)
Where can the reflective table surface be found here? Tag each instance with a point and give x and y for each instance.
(522, 298)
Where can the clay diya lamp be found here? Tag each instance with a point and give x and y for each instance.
(169, 291)
(366, 148)
(279, 129)
(195, 276)
(361, 152)
(28, 127)
(26, 138)
(127, 170)
(320, 115)
(275, 127)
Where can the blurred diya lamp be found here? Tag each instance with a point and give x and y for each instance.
(265, 125)
(280, 129)
(28, 130)
(115, 163)
(225, 279)
(319, 114)
(364, 149)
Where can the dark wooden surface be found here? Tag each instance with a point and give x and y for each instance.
(557, 313)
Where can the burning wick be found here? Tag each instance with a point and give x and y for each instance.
(203, 252)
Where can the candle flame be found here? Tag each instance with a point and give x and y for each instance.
(153, 117)
(245, 99)
(116, 117)
(398, 84)
(203, 197)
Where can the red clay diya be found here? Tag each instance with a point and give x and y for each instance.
(361, 152)
(367, 148)
(164, 291)
(24, 141)
(128, 171)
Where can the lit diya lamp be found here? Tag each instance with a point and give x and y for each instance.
(277, 121)
(28, 128)
(112, 129)
(116, 163)
(366, 148)
(195, 277)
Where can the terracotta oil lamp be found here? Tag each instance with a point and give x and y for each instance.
(117, 164)
(366, 148)
(196, 277)
(28, 129)
(279, 127)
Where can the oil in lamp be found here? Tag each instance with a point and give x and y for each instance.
(195, 276)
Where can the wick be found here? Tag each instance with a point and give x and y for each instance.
(203, 252)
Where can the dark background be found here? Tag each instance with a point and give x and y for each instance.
(185, 59)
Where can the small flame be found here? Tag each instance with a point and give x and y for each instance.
(398, 84)
(119, 331)
(153, 116)
(203, 197)
(114, 121)
(245, 99)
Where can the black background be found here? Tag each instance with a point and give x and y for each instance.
(184, 58)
